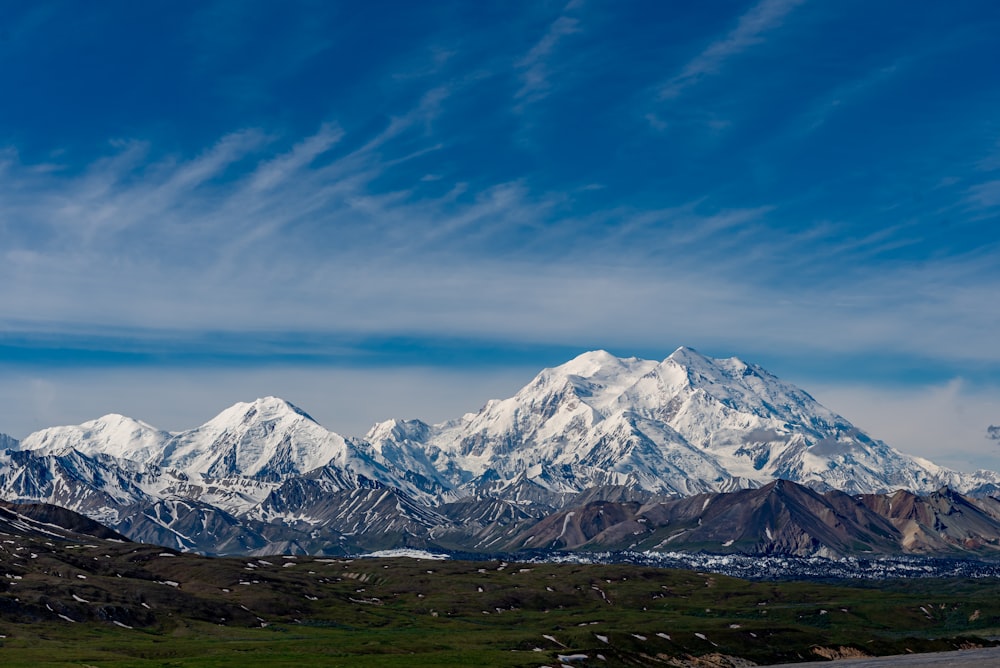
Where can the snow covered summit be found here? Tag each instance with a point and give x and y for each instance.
(267, 439)
(264, 476)
(684, 425)
(687, 424)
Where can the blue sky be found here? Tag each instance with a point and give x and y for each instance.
(362, 206)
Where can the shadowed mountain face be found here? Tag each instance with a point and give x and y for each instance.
(779, 518)
(43, 520)
(600, 451)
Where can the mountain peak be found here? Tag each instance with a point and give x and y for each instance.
(600, 364)
(596, 378)
(118, 425)
(689, 357)
(278, 405)
(266, 438)
(261, 409)
(112, 434)
(592, 359)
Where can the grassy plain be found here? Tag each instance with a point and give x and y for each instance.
(183, 610)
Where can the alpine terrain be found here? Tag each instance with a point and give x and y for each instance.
(653, 453)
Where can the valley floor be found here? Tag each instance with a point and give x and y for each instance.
(106, 603)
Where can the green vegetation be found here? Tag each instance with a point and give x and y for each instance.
(407, 612)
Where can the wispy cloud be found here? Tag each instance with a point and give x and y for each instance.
(224, 208)
(984, 195)
(843, 95)
(750, 29)
(414, 213)
(535, 67)
(259, 233)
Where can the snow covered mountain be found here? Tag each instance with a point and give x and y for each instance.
(264, 475)
(266, 439)
(234, 460)
(98, 487)
(686, 425)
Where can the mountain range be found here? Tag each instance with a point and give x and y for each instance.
(600, 451)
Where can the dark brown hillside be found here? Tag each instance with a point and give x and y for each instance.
(44, 519)
(779, 518)
(943, 519)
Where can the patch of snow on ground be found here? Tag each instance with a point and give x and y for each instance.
(566, 520)
(406, 552)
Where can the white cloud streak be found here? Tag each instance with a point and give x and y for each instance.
(984, 195)
(763, 17)
(254, 234)
(535, 67)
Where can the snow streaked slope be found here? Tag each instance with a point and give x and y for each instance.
(761, 428)
(266, 439)
(232, 461)
(687, 424)
(98, 487)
